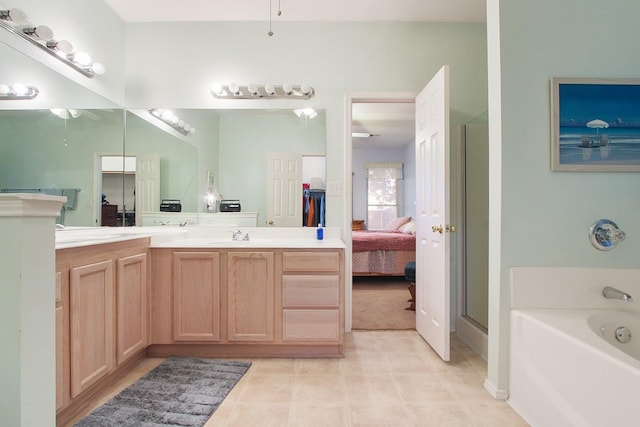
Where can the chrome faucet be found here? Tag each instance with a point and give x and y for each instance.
(237, 235)
(609, 292)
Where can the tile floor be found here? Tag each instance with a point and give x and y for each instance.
(387, 378)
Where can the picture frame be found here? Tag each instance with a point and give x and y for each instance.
(595, 125)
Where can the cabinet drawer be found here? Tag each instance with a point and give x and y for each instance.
(310, 325)
(310, 261)
(310, 291)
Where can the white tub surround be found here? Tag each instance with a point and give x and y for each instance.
(563, 371)
(27, 317)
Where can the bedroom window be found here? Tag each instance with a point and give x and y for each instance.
(384, 194)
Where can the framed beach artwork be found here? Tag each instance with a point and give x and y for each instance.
(595, 125)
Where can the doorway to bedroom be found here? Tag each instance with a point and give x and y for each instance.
(383, 207)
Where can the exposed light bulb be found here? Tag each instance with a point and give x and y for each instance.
(269, 89)
(287, 88)
(80, 58)
(20, 89)
(234, 88)
(60, 46)
(305, 89)
(98, 68)
(253, 89)
(5, 89)
(216, 89)
(41, 32)
(17, 16)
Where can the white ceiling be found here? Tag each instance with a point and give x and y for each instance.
(300, 10)
(392, 123)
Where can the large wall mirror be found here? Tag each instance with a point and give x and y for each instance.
(231, 149)
(72, 142)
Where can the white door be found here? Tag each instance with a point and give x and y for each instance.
(432, 211)
(147, 184)
(284, 190)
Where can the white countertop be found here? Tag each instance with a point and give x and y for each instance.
(202, 237)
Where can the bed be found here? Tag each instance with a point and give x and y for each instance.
(381, 253)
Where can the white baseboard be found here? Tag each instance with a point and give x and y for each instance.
(494, 392)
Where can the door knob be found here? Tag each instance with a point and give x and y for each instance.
(438, 229)
(451, 228)
(270, 222)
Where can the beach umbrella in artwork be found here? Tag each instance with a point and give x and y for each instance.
(597, 124)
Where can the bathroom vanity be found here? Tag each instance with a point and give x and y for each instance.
(126, 293)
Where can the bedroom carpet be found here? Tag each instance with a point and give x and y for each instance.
(182, 391)
(380, 302)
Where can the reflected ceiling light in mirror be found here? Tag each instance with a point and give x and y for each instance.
(17, 91)
(308, 113)
(256, 91)
(363, 135)
(173, 121)
(15, 21)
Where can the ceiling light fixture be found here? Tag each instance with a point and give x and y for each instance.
(279, 13)
(173, 121)
(363, 135)
(15, 21)
(17, 91)
(255, 91)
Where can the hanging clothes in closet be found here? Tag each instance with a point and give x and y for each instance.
(313, 208)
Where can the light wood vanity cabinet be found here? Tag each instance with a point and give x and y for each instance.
(250, 296)
(268, 302)
(132, 300)
(311, 295)
(196, 296)
(92, 324)
(101, 314)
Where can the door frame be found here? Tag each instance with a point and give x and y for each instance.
(350, 99)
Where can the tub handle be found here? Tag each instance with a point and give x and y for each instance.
(604, 234)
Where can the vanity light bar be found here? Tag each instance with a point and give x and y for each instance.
(17, 91)
(172, 120)
(255, 91)
(15, 21)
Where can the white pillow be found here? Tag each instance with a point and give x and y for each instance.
(397, 223)
(408, 228)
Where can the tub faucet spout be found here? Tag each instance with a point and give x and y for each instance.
(609, 292)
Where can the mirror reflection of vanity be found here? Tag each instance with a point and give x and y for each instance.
(56, 145)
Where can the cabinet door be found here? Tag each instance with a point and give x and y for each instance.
(91, 319)
(196, 296)
(251, 289)
(131, 306)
